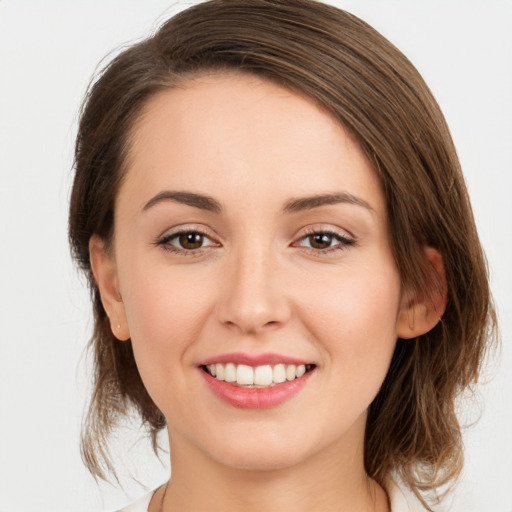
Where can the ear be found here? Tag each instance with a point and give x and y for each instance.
(105, 274)
(421, 313)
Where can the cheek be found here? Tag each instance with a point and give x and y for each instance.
(354, 319)
(166, 311)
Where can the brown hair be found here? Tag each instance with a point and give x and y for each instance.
(375, 92)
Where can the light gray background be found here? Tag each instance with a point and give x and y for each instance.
(48, 52)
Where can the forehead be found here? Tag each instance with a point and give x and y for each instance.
(235, 129)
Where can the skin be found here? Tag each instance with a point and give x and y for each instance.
(257, 284)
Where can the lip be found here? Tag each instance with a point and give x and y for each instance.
(253, 360)
(254, 398)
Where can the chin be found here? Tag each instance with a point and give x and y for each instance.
(261, 459)
(271, 452)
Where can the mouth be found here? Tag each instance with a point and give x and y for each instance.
(256, 382)
(257, 377)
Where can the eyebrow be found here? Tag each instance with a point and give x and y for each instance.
(189, 198)
(308, 203)
(207, 203)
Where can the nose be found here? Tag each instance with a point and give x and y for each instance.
(252, 296)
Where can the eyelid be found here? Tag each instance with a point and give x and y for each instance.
(313, 229)
(185, 228)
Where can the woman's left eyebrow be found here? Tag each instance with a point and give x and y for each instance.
(310, 202)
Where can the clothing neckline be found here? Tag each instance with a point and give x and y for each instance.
(401, 499)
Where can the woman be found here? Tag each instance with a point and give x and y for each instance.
(283, 259)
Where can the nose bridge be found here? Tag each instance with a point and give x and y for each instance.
(252, 300)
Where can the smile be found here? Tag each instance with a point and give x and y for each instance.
(256, 382)
(257, 377)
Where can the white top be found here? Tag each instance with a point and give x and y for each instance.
(141, 505)
(402, 500)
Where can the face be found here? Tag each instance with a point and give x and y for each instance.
(251, 244)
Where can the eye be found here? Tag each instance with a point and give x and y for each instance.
(324, 241)
(186, 241)
(190, 240)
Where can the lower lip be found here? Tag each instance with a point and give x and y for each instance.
(255, 398)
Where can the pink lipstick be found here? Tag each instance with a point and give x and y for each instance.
(255, 381)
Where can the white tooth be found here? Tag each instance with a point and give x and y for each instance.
(290, 372)
(301, 370)
(212, 369)
(219, 371)
(244, 375)
(230, 373)
(279, 373)
(263, 375)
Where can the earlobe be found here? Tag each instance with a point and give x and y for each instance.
(105, 274)
(423, 311)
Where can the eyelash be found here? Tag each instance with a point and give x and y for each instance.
(165, 242)
(343, 241)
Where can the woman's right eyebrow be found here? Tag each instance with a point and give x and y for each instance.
(194, 199)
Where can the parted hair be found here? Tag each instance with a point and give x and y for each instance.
(373, 90)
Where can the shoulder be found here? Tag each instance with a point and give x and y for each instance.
(141, 505)
(401, 499)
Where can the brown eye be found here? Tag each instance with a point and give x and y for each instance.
(191, 240)
(320, 240)
(324, 241)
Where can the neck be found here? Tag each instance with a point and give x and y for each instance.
(332, 480)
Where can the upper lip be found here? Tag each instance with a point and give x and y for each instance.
(253, 359)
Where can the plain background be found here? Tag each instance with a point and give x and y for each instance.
(48, 52)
